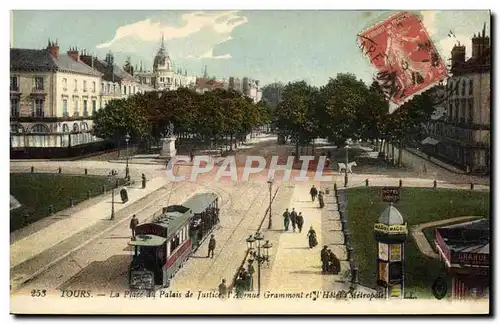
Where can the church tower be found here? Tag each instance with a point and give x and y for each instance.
(163, 68)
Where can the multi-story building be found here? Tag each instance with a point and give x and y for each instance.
(116, 82)
(164, 76)
(247, 86)
(462, 136)
(52, 95)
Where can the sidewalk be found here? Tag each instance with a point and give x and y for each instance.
(34, 244)
(296, 267)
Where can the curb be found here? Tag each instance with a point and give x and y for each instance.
(17, 286)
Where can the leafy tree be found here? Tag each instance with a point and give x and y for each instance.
(118, 118)
(342, 99)
(295, 114)
(272, 94)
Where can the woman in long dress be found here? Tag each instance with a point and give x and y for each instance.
(312, 238)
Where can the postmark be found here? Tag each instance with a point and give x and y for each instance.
(402, 52)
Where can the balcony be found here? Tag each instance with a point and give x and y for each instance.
(37, 114)
(38, 91)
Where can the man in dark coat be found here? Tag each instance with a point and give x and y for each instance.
(133, 224)
(211, 247)
(313, 192)
(324, 259)
(144, 181)
(223, 289)
(293, 218)
(300, 221)
(286, 219)
(191, 155)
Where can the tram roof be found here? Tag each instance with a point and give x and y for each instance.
(200, 201)
(148, 240)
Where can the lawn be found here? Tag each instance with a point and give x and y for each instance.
(36, 191)
(417, 205)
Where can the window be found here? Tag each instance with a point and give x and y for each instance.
(75, 106)
(135, 90)
(65, 107)
(125, 90)
(65, 84)
(108, 89)
(39, 128)
(93, 86)
(102, 86)
(84, 86)
(114, 88)
(65, 128)
(85, 111)
(463, 87)
(76, 85)
(14, 107)
(38, 108)
(14, 83)
(471, 110)
(38, 83)
(129, 90)
(471, 88)
(94, 107)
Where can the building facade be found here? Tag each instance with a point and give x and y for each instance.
(165, 75)
(247, 86)
(52, 95)
(462, 136)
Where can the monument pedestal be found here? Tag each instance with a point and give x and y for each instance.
(168, 149)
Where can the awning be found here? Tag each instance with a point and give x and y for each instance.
(430, 141)
(148, 240)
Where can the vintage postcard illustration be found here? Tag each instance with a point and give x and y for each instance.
(237, 162)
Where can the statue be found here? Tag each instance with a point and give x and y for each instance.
(169, 130)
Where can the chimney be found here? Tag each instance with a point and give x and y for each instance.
(53, 49)
(457, 56)
(480, 43)
(74, 54)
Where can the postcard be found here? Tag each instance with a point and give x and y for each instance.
(250, 162)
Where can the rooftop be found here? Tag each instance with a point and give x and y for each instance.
(391, 216)
(33, 60)
(471, 237)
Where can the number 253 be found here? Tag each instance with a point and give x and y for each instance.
(38, 293)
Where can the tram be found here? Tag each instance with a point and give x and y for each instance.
(161, 247)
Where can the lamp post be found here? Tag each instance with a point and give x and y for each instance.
(257, 255)
(346, 178)
(270, 184)
(127, 171)
(113, 204)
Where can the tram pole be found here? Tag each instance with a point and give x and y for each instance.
(113, 204)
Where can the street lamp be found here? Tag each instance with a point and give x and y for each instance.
(127, 171)
(250, 241)
(346, 179)
(270, 184)
(113, 204)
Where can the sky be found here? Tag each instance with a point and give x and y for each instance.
(280, 45)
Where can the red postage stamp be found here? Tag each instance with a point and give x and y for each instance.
(406, 59)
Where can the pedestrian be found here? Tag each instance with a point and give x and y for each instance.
(324, 259)
(191, 155)
(313, 241)
(211, 247)
(313, 192)
(300, 221)
(133, 224)
(333, 263)
(223, 289)
(286, 219)
(321, 200)
(293, 218)
(144, 181)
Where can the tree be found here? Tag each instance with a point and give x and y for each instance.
(118, 118)
(342, 99)
(295, 114)
(272, 94)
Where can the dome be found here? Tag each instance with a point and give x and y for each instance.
(391, 216)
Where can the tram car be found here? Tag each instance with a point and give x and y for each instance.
(162, 246)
